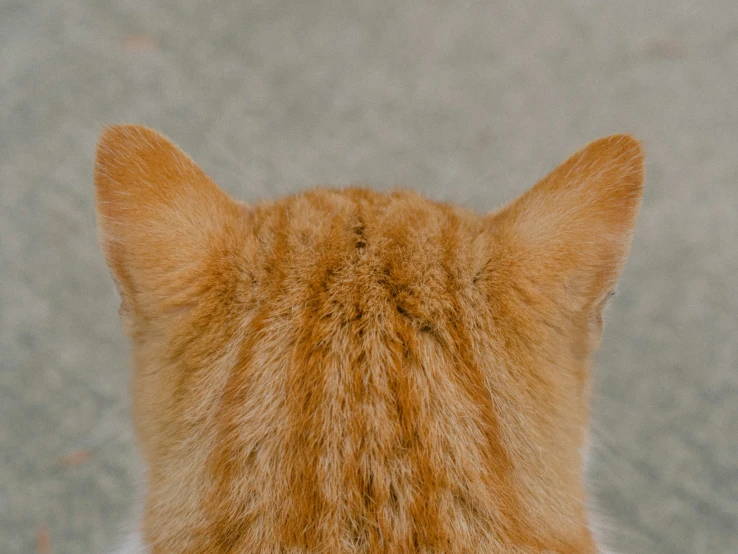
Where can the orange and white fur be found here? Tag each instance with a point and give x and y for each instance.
(353, 372)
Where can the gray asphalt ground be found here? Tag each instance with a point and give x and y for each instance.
(466, 102)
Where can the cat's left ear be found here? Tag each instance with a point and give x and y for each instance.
(162, 222)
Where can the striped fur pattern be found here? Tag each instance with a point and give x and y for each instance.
(349, 372)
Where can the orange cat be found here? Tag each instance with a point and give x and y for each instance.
(349, 372)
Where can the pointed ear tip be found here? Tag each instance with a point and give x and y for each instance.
(121, 142)
(625, 154)
(624, 147)
(113, 140)
(120, 138)
(120, 133)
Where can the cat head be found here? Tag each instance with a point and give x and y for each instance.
(351, 371)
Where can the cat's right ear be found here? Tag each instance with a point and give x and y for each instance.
(570, 234)
(161, 220)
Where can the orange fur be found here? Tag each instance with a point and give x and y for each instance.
(348, 372)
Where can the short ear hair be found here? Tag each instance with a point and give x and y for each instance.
(570, 234)
(158, 215)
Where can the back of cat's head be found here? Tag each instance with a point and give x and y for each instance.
(356, 372)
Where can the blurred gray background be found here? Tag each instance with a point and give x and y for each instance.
(466, 102)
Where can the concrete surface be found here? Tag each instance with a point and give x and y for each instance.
(469, 102)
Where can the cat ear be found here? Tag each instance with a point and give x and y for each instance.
(570, 234)
(159, 216)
